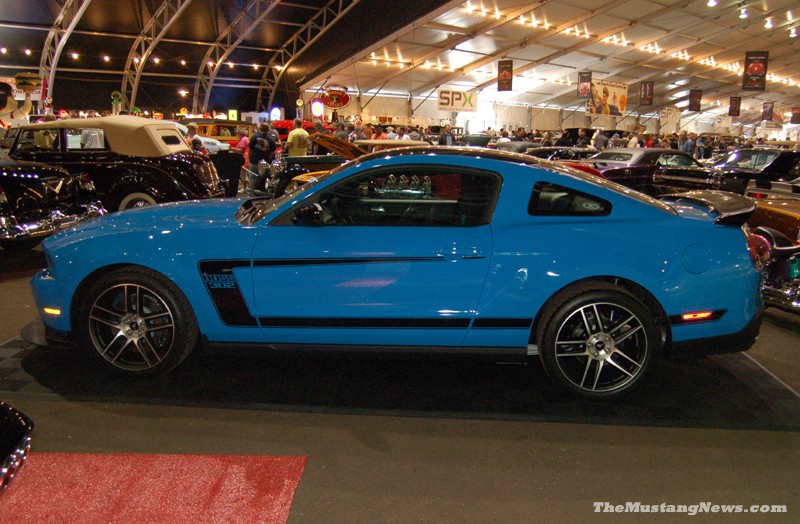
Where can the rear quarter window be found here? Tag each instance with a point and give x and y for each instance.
(548, 199)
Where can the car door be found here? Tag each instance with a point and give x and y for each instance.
(395, 256)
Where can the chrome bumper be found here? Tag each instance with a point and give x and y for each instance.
(11, 230)
(786, 298)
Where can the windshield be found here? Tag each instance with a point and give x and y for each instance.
(254, 209)
(612, 156)
(749, 159)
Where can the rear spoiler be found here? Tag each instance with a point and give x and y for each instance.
(730, 208)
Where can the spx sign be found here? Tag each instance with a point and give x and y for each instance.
(458, 100)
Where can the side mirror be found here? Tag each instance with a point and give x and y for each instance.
(308, 215)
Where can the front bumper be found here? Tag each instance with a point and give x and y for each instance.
(11, 230)
(741, 341)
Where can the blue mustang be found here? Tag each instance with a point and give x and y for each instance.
(423, 249)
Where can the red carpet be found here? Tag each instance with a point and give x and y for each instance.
(130, 488)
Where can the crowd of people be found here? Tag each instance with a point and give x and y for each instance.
(700, 146)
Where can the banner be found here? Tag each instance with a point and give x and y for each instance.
(754, 77)
(505, 75)
(669, 115)
(584, 84)
(767, 110)
(607, 98)
(795, 116)
(450, 100)
(735, 106)
(695, 99)
(646, 93)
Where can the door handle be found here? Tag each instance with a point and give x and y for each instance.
(454, 253)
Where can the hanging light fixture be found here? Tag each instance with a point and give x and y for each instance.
(768, 23)
(793, 32)
(712, 3)
(742, 11)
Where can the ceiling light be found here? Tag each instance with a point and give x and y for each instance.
(712, 3)
(106, 58)
(768, 23)
(28, 52)
(743, 12)
(74, 56)
(183, 62)
(3, 50)
(156, 59)
(793, 32)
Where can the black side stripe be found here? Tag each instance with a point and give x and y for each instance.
(502, 323)
(334, 261)
(366, 323)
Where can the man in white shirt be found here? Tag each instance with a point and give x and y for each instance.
(634, 141)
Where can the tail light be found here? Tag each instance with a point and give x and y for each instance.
(86, 182)
(759, 249)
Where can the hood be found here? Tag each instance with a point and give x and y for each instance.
(159, 218)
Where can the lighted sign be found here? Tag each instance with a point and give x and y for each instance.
(233, 114)
(275, 113)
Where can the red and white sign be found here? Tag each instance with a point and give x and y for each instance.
(335, 97)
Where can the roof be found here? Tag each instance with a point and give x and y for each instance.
(127, 135)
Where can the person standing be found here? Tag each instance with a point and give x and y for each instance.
(634, 140)
(446, 138)
(297, 141)
(600, 140)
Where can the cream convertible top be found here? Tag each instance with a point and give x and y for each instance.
(128, 135)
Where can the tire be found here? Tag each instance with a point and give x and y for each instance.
(136, 199)
(597, 359)
(21, 245)
(136, 322)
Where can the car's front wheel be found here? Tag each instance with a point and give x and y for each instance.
(597, 340)
(136, 322)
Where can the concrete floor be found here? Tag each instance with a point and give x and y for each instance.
(437, 441)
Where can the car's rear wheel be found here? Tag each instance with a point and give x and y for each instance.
(597, 339)
(137, 322)
(136, 199)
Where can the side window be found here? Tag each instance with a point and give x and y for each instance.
(38, 140)
(550, 199)
(87, 138)
(794, 171)
(412, 196)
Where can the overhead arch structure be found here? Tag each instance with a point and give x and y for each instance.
(65, 23)
(318, 25)
(154, 30)
(217, 55)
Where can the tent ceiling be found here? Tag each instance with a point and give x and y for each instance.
(411, 48)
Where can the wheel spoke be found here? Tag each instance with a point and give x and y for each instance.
(586, 322)
(104, 321)
(142, 346)
(627, 335)
(586, 371)
(621, 325)
(611, 361)
(597, 374)
(598, 319)
(626, 357)
(113, 314)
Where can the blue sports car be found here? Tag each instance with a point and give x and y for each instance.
(417, 249)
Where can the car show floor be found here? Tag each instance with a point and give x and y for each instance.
(399, 439)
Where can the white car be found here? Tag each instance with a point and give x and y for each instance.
(211, 145)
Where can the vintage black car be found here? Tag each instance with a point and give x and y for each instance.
(654, 171)
(133, 161)
(761, 165)
(37, 200)
(15, 442)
